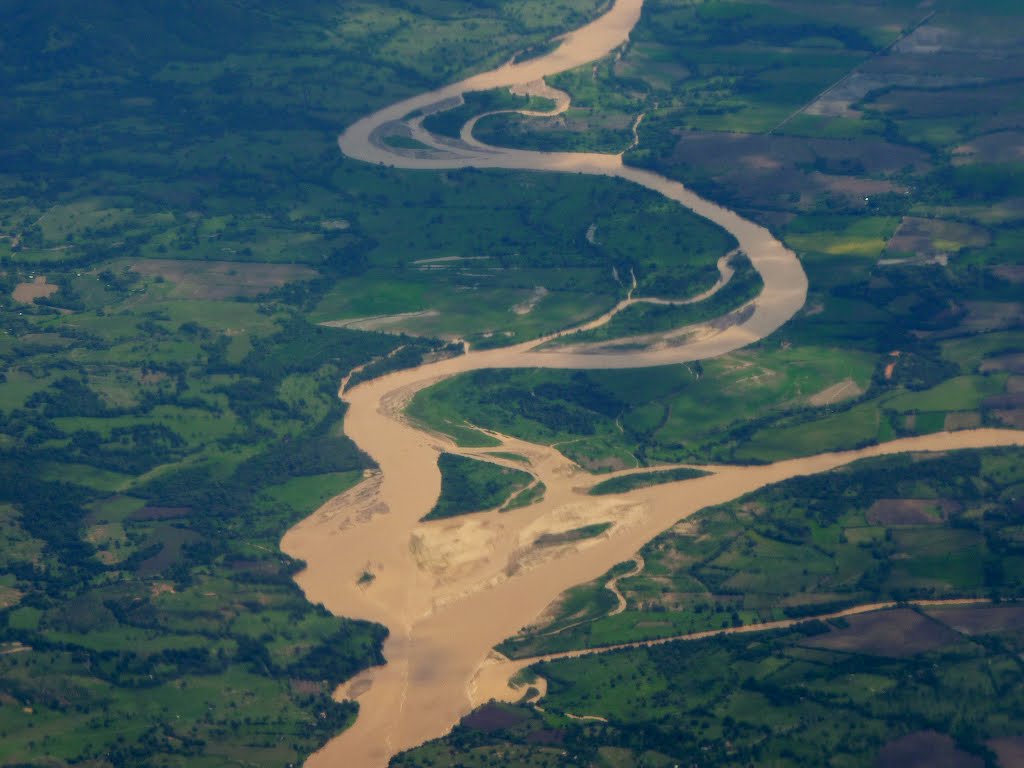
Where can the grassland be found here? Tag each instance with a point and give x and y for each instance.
(489, 256)
(919, 527)
(612, 419)
(449, 123)
(644, 318)
(876, 354)
(148, 476)
(902, 205)
(626, 483)
(785, 698)
(469, 485)
(170, 409)
(905, 686)
(168, 403)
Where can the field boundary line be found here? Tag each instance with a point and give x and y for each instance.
(766, 626)
(849, 74)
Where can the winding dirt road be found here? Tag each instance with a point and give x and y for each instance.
(450, 590)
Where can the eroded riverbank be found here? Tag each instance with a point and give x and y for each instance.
(450, 590)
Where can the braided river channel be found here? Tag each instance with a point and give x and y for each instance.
(449, 590)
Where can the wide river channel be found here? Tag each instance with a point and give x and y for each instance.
(450, 590)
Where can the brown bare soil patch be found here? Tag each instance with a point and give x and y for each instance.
(253, 566)
(161, 588)
(934, 237)
(911, 511)
(493, 717)
(897, 634)
(764, 152)
(545, 736)
(222, 279)
(990, 315)
(604, 464)
(307, 687)
(152, 377)
(160, 513)
(171, 541)
(982, 620)
(1013, 363)
(926, 749)
(1015, 384)
(1014, 418)
(760, 169)
(26, 293)
(1013, 273)
(962, 420)
(1000, 147)
(1007, 401)
(1009, 751)
(9, 596)
(930, 103)
(853, 186)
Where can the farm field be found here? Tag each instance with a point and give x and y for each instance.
(489, 257)
(755, 405)
(168, 401)
(189, 269)
(787, 552)
(470, 485)
(903, 531)
(643, 320)
(912, 289)
(906, 234)
(843, 691)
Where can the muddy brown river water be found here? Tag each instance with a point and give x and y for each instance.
(450, 590)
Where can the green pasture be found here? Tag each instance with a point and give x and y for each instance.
(627, 483)
(157, 439)
(806, 547)
(767, 698)
(675, 413)
(469, 485)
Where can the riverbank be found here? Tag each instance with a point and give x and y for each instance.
(450, 590)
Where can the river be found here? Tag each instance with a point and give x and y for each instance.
(450, 590)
